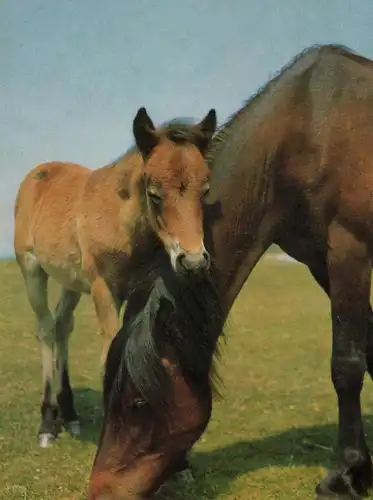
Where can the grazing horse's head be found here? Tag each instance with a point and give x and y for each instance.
(175, 180)
(157, 388)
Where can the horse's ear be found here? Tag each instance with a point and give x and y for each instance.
(144, 131)
(206, 129)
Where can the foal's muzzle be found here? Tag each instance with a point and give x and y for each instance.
(191, 263)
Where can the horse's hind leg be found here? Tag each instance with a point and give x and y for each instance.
(320, 273)
(349, 269)
(36, 281)
(107, 311)
(64, 326)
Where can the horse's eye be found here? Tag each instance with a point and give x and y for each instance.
(139, 403)
(154, 198)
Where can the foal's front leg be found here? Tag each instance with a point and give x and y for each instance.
(349, 266)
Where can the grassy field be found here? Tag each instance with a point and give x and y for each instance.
(271, 437)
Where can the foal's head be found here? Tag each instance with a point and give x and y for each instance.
(175, 180)
(157, 389)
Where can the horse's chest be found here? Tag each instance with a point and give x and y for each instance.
(124, 272)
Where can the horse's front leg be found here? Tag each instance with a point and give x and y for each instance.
(349, 266)
(107, 311)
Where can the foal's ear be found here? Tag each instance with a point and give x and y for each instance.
(206, 129)
(144, 131)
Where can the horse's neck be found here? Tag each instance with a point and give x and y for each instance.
(127, 172)
(249, 214)
(126, 178)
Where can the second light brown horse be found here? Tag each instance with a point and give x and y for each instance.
(91, 231)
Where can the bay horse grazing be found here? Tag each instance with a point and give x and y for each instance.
(158, 385)
(294, 166)
(95, 231)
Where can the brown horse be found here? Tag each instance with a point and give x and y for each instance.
(168, 337)
(91, 231)
(294, 166)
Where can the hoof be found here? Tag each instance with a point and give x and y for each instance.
(46, 439)
(186, 477)
(73, 427)
(338, 486)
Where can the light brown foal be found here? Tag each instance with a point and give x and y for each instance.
(99, 231)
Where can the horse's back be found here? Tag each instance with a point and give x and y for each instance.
(46, 210)
(342, 122)
(329, 165)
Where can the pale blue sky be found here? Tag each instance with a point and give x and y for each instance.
(73, 73)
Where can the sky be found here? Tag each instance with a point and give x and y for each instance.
(74, 73)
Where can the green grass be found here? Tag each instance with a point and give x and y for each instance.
(271, 437)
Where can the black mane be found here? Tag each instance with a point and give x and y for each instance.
(184, 315)
(180, 131)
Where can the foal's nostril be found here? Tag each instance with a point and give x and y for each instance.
(180, 261)
(206, 257)
(190, 263)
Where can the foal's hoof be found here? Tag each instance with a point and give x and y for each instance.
(46, 439)
(338, 485)
(73, 427)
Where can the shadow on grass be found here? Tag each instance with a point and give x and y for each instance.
(215, 470)
(89, 405)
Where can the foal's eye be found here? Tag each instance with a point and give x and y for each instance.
(205, 191)
(154, 198)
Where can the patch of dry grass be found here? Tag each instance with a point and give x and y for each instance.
(271, 436)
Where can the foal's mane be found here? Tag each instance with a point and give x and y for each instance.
(179, 130)
(185, 316)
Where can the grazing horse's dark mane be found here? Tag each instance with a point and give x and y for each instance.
(184, 315)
